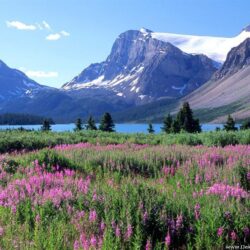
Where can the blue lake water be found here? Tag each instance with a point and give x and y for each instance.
(121, 128)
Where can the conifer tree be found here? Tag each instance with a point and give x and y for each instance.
(107, 123)
(245, 125)
(167, 124)
(175, 128)
(46, 125)
(230, 124)
(186, 120)
(150, 128)
(78, 124)
(91, 124)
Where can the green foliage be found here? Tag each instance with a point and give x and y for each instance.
(245, 125)
(78, 124)
(91, 124)
(16, 140)
(46, 125)
(107, 123)
(230, 124)
(186, 121)
(168, 124)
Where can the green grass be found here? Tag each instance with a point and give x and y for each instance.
(23, 140)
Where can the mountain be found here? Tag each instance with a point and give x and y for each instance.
(237, 58)
(227, 92)
(215, 48)
(229, 89)
(141, 69)
(15, 84)
(146, 75)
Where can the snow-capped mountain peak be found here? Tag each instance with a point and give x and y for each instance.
(141, 68)
(215, 48)
(247, 28)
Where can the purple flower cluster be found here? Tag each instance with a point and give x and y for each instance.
(227, 191)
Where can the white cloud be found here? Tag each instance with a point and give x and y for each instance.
(57, 36)
(65, 33)
(46, 25)
(53, 37)
(38, 26)
(41, 74)
(20, 26)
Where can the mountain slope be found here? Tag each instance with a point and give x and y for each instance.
(230, 86)
(142, 69)
(15, 84)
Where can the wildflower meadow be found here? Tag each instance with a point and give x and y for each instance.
(126, 195)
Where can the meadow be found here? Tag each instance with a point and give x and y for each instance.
(15, 140)
(113, 191)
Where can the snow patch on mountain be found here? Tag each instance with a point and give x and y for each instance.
(216, 48)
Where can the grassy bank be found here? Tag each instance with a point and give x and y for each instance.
(23, 140)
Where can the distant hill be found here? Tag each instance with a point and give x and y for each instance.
(22, 119)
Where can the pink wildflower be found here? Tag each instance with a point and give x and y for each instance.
(220, 231)
(168, 239)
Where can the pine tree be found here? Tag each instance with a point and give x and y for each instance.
(245, 125)
(107, 123)
(230, 124)
(186, 120)
(175, 128)
(150, 128)
(46, 125)
(167, 124)
(78, 124)
(91, 124)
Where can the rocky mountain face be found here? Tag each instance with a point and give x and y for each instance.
(237, 58)
(15, 84)
(229, 89)
(142, 69)
(227, 92)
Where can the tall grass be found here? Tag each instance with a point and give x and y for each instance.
(23, 140)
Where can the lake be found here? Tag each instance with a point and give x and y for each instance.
(122, 128)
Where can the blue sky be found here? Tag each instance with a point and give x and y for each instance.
(54, 40)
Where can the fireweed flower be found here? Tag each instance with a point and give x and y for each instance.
(220, 231)
(179, 222)
(76, 245)
(226, 191)
(145, 216)
(117, 232)
(93, 241)
(168, 239)
(129, 232)
(102, 226)
(148, 245)
(92, 216)
(233, 236)
(197, 211)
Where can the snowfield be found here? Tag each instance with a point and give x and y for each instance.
(214, 47)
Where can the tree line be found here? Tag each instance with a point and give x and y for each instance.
(22, 119)
(183, 121)
(106, 124)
